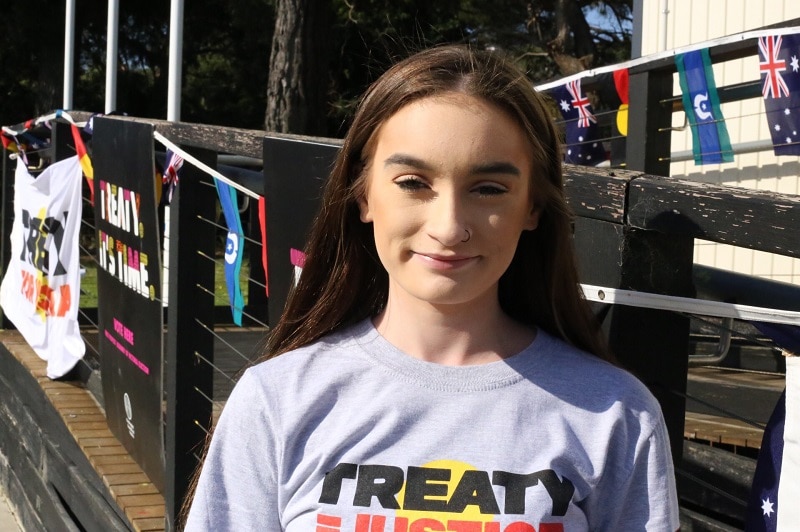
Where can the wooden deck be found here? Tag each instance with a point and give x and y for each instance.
(721, 430)
(132, 490)
(745, 395)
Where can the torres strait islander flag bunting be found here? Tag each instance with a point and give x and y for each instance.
(779, 65)
(234, 247)
(582, 139)
(710, 141)
(614, 92)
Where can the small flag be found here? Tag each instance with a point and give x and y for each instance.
(89, 126)
(262, 219)
(234, 246)
(298, 260)
(779, 64)
(84, 160)
(8, 143)
(582, 139)
(614, 93)
(710, 141)
(778, 465)
(32, 142)
(170, 176)
(622, 83)
(762, 505)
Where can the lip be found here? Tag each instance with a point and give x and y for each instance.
(445, 262)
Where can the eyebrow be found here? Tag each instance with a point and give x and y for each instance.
(402, 159)
(496, 168)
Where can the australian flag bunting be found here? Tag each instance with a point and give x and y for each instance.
(710, 141)
(234, 247)
(772, 505)
(779, 64)
(170, 178)
(582, 137)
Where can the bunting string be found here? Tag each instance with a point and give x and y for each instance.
(202, 166)
(670, 54)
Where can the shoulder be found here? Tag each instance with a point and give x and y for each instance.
(326, 363)
(594, 383)
(338, 348)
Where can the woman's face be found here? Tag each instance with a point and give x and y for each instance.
(448, 191)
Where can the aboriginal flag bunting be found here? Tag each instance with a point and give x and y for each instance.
(84, 160)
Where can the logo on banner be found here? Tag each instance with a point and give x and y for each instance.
(126, 401)
(39, 231)
(42, 234)
(231, 247)
(701, 107)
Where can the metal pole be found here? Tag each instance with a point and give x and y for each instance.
(664, 21)
(69, 54)
(175, 60)
(111, 55)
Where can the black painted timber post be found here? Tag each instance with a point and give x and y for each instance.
(189, 379)
(659, 262)
(61, 141)
(652, 344)
(649, 122)
(6, 222)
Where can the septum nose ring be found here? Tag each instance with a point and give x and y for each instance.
(469, 235)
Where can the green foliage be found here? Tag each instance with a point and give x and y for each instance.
(227, 47)
(372, 34)
(226, 61)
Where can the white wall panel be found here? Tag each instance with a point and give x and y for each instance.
(693, 21)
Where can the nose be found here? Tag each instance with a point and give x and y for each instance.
(446, 219)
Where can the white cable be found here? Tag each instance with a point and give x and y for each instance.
(202, 166)
(689, 305)
(669, 53)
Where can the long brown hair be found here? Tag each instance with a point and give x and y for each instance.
(343, 281)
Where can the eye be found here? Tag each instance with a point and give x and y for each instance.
(490, 189)
(410, 183)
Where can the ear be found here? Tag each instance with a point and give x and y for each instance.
(364, 210)
(532, 220)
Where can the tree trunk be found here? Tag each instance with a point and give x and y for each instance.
(574, 34)
(298, 68)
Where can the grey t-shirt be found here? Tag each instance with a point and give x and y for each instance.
(351, 434)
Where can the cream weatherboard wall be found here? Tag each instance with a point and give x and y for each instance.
(691, 21)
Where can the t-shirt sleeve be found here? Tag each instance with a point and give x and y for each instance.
(238, 486)
(644, 498)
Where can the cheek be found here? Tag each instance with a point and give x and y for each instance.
(391, 223)
(504, 233)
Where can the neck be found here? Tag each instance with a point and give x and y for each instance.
(454, 335)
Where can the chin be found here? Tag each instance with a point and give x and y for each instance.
(454, 295)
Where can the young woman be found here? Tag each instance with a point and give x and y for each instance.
(439, 369)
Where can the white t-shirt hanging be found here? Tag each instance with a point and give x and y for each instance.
(41, 286)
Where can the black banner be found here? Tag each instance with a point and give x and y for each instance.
(294, 172)
(130, 316)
